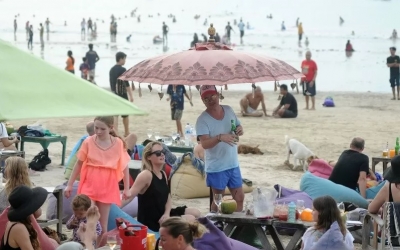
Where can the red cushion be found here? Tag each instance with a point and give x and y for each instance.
(320, 168)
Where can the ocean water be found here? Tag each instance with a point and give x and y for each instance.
(365, 70)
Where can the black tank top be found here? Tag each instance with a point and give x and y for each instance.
(390, 192)
(5, 245)
(151, 204)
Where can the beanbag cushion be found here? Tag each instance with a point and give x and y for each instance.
(51, 212)
(188, 182)
(215, 239)
(46, 243)
(331, 240)
(315, 187)
(287, 195)
(328, 102)
(320, 168)
(116, 212)
(72, 158)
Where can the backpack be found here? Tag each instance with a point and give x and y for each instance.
(40, 161)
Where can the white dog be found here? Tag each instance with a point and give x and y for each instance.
(300, 153)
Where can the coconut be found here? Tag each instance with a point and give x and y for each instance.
(228, 206)
(10, 128)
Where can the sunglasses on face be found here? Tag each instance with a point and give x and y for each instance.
(158, 153)
(208, 99)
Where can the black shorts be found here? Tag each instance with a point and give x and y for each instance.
(176, 114)
(289, 114)
(241, 33)
(394, 81)
(307, 90)
(300, 37)
(125, 96)
(178, 211)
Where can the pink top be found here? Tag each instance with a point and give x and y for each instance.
(102, 169)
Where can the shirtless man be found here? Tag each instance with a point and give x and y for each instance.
(249, 104)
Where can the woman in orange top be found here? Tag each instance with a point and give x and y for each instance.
(102, 163)
(70, 62)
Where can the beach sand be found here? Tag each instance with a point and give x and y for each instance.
(326, 131)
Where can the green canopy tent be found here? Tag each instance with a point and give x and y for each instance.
(32, 88)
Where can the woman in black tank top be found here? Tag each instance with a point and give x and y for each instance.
(151, 187)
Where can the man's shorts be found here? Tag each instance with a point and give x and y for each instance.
(176, 114)
(289, 114)
(241, 33)
(250, 110)
(125, 96)
(307, 90)
(231, 178)
(394, 81)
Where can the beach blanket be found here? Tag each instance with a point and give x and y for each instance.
(196, 162)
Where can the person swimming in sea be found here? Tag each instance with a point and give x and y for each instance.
(128, 38)
(349, 46)
(283, 27)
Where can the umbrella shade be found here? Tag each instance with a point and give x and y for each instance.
(32, 88)
(210, 64)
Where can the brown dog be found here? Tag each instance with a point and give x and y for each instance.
(246, 149)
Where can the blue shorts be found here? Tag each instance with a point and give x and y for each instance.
(394, 81)
(231, 178)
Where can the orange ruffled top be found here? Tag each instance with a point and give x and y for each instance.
(102, 169)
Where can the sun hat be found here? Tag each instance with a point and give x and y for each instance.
(207, 90)
(24, 201)
(393, 173)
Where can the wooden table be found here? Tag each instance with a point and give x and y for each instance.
(376, 160)
(45, 142)
(180, 149)
(236, 221)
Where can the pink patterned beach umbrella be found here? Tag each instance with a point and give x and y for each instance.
(210, 64)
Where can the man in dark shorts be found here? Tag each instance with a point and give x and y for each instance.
(92, 58)
(393, 63)
(176, 97)
(228, 30)
(309, 69)
(165, 30)
(121, 88)
(287, 108)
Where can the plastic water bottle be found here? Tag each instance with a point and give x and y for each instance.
(188, 134)
(292, 212)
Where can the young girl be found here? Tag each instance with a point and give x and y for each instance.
(70, 62)
(80, 205)
(102, 163)
(325, 212)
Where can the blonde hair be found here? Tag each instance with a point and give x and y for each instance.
(109, 121)
(81, 201)
(16, 173)
(189, 230)
(146, 153)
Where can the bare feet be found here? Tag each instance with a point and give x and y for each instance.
(313, 108)
(306, 108)
(393, 98)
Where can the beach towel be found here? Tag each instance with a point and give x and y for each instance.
(328, 102)
(197, 163)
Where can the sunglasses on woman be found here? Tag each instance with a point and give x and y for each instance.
(158, 153)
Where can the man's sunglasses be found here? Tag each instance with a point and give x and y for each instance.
(158, 153)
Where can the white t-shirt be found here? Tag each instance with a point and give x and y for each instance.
(311, 236)
(3, 131)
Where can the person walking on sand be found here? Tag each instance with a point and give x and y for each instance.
(30, 39)
(92, 58)
(309, 69)
(300, 31)
(176, 97)
(249, 104)
(27, 27)
(393, 63)
(228, 30)
(221, 156)
(120, 88)
(241, 26)
(83, 27)
(165, 31)
(102, 163)
(47, 25)
(41, 30)
(15, 26)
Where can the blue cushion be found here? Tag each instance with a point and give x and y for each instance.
(116, 212)
(316, 187)
(215, 239)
